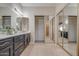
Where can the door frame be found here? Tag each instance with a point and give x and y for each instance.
(68, 29)
(53, 28)
(35, 26)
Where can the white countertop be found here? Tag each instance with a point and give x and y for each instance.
(3, 36)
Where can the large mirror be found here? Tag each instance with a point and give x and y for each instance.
(23, 23)
(5, 19)
(70, 29)
(11, 21)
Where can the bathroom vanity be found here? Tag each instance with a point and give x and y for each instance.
(13, 45)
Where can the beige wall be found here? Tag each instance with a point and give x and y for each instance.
(51, 27)
(59, 7)
(31, 12)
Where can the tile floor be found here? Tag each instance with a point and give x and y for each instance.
(48, 40)
(44, 49)
(71, 48)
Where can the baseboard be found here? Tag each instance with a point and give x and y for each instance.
(39, 41)
(72, 41)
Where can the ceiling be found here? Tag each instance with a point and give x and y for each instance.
(73, 5)
(2, 5)
(31, 4)
(38, 4)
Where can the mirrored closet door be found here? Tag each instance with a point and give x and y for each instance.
(70, 29)
(60, 29)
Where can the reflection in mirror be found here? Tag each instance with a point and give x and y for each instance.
(53, 23)
(60, 27)
(70, 28)
(5, 19)
(22, 24)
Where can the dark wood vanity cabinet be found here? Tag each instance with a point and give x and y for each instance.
(27, 40)
(15, 45)
(18, 44)
(6, 47)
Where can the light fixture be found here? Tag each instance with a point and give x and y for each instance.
(66, 21)
(17, 11)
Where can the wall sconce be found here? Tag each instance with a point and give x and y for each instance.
(0, 17)
(66, 21)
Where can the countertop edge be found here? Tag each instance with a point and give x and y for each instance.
(17, 34)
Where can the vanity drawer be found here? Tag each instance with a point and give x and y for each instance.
(26, 41)
(6, 40)
(17, 45)
(5, 52)
(22, 37)
(19, 38)
(6, 47)
(28, 38)
(19, 51)
(16, 38)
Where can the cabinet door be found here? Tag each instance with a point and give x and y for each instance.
(6, 47)
(18, 45)
(19, 51)
(29, 38)
(5, 52)
(26, 40)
